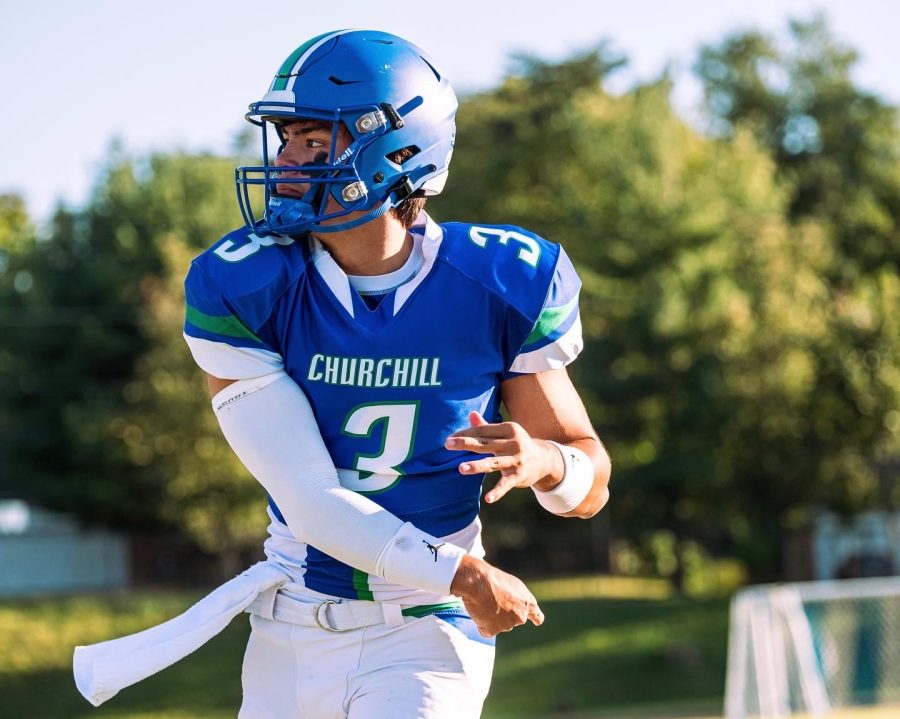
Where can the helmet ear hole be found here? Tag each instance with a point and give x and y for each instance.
(403, 155)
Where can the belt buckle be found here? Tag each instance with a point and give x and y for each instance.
(325, 625)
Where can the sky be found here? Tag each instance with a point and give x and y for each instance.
(178, 74)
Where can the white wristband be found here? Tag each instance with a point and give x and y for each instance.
(578, 478)
(416, 559)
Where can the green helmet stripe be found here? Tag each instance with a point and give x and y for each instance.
(296, 58)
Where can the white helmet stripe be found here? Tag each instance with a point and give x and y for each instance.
(309, 51)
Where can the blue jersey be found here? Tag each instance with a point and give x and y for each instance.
(388, 383)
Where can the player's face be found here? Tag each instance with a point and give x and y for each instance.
(307, 142)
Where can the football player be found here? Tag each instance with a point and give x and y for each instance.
(358, 355)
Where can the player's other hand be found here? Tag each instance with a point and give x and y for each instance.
(521, 459)
(496, 601)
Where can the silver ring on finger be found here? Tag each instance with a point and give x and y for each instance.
(495, 464)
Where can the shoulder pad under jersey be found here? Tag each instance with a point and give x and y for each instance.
(508, 261)
(230, 292)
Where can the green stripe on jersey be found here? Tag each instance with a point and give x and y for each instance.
(227, 325)
(361, 585)
(284, 72)
(550, 319)
(423, 610)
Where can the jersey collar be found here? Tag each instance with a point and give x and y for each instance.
(427, 235)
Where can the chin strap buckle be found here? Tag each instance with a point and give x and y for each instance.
(393, 116)
(403, 189)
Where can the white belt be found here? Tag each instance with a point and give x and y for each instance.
(332, 615)
(338, 615)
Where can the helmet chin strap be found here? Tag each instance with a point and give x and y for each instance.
(288, 215)
(395, 196)
(370, 215)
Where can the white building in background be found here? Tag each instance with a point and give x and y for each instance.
(835, 547)
(867, 545)
(44, 552)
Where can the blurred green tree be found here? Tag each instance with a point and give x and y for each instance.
(835, 143)
(112, 417)
(70, 323)
(16, 240)
(836, 149)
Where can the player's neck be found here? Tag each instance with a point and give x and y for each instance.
(375, 248)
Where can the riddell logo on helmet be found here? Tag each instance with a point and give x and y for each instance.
(345, 155)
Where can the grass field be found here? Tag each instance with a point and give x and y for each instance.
(609, 648)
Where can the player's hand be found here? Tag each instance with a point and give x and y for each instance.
(521, 459)
(496, 601)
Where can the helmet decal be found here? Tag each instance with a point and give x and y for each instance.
(284, 78)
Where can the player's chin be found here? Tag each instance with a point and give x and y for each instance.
(335, 209)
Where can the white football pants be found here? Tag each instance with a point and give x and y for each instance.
(424, 668)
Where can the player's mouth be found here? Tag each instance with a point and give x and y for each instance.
(291, 190)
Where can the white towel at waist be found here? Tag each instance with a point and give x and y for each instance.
(102, 669)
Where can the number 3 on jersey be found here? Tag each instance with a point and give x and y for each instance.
(380, 471)
(529, 250)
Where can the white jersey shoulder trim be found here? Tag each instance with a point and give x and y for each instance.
(555, 355)
(229, 362)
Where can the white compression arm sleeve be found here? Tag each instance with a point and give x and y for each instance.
(271, 427)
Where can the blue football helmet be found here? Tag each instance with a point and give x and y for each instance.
(389, 95)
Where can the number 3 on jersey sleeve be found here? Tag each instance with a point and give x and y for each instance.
(230, 253)
(529, 249)
(380, 471)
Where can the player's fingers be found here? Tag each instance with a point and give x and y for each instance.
(484, 631)
(488, 464)
(476, 420)
(500, 489)
(482, 444)
(499, 430)
(536, 615)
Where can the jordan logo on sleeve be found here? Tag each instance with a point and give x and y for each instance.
(434, 549)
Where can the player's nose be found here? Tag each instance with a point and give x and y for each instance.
(294, 153)
(286, 157)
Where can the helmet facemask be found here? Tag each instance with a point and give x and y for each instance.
(327, 177)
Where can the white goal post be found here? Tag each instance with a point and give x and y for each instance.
(811, 647)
